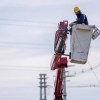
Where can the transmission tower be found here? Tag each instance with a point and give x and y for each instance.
(43, 86)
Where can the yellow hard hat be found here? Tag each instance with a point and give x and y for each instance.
(76, 9)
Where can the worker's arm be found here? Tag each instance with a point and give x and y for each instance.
(72, 23)
(79, 20)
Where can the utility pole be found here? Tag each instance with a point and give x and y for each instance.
(43, 86)
(64, 84)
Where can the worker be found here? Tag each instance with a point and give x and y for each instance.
(81, 18)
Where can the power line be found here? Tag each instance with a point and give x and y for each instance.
(16, 22)
(22, 43)
(10, 66)
(85, 71)
(25, 45)
(23, 69)
(94, 73)
(90, 69)
(84, 86)
(28, 25)
(28, 47)
(32, 21)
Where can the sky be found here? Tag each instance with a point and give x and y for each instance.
(27, 30)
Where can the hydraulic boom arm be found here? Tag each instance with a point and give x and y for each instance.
(59, 62)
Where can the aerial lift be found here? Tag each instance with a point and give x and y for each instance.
(59, 61)
(80, 40)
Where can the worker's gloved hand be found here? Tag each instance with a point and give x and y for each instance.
(71, 24)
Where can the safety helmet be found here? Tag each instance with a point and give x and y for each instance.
(76, 9)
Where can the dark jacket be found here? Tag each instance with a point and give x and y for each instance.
(81, 19)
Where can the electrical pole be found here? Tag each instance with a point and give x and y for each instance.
(43, 86)
(64, 84)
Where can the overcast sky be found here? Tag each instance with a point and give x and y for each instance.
(27, 30)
